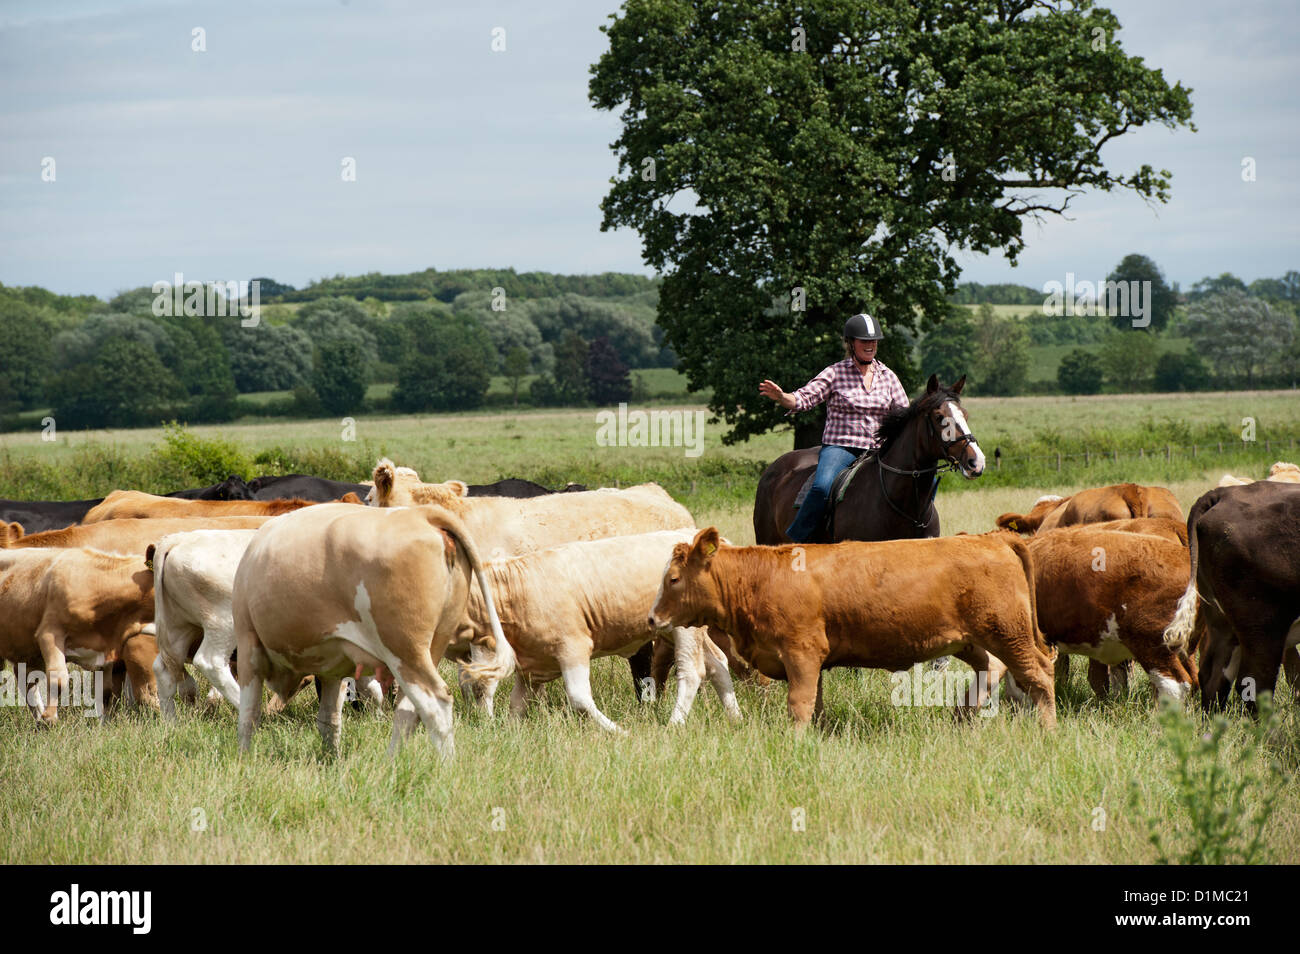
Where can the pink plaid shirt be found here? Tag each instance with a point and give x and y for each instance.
(853, 413)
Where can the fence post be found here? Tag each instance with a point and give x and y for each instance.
(1268, 446)
(1220, 447)
(1058, 462)
(1193, 451)
(1086, 460)
(693, 490)
(1114, 454)
(1142, 453)
(1169, 452)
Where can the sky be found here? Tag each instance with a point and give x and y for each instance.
(227, 163)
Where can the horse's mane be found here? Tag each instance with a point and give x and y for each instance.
(896, 420)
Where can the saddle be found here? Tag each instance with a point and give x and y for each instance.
(838, 486)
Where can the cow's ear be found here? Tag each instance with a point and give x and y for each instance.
(148, 556)
(384, 475)
(932, 385)
(457, 488)
(960, 383)
(705, 545)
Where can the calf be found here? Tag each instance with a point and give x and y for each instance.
(1243, 596)
(76, 604)
(1109, 595)
(1094, 505)
(793, 611)
(324, 589)
(566, 605)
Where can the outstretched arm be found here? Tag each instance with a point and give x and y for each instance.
(770, 389)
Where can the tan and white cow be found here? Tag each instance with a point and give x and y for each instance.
(137, 505)
(80, 605)
(333, 586)
(563, 606)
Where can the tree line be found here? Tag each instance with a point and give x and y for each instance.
(117, 363)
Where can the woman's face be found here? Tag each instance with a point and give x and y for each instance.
(865, 351)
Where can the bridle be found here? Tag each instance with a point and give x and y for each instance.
(949, 465)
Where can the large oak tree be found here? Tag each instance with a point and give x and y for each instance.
(848, 149)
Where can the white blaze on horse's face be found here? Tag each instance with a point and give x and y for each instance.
(972, 458)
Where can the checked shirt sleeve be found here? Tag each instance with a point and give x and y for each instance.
(814, 392)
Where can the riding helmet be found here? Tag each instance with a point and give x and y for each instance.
(863, 327)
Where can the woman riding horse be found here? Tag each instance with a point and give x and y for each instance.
(859, 392)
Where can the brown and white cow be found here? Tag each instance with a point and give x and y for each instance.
(1242, 601)
(1109, 595)
(79, 605)
(1094, 505)
(134, 504)
(793, 611)
(562, 607)
(326, 588)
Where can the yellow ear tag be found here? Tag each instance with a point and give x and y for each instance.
(1013, 526)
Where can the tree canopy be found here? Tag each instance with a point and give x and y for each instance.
(787, 167)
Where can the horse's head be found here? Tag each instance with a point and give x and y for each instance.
(947, 436)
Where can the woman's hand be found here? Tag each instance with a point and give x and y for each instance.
(770, 389)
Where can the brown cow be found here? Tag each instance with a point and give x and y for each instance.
(793, 611)
(126, 504)
(126, 536)
(1094, 505)
(1109, 595)
(76, 604)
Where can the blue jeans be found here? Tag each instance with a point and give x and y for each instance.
(830, 462)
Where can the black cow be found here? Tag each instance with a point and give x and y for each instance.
(1245, 555)
(304, 487)
(38, 515)
(232, 488)
(517, 488)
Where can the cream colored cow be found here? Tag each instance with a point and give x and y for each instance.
(566, 605)
(330, 587)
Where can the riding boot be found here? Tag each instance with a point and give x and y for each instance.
(809, 516)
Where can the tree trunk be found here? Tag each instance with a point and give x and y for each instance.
(808, 428)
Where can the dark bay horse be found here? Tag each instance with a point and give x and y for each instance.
(890, 498)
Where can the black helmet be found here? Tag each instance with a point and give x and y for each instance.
(863, 327)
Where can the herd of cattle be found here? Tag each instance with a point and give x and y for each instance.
(271, 583)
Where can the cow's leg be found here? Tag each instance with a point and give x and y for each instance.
(1261, 658)
(715, 662)
(689, 655)
(1099, 678)
(641, 663)
(1061, 670)
(1031, 668)
(139, 653)
(817, 705)
(1119, 676)
(989, 671)
(804, 671)
(212, 658)
(50, 643)
(576, 673)
(170, 675)
(664, 655)
(425, 692)
(250, 707)
(329, 717)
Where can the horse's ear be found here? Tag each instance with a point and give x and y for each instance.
(932, 385)
(961, 383)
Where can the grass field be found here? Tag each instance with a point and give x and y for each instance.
(875, 783)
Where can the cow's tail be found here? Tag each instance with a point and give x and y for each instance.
(1027, 561)
(503, 662)
(155, 555)
(1185, 624)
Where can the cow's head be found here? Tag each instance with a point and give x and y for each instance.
(1029, 522)
(233, 488)
(401, 487)
(687, 588)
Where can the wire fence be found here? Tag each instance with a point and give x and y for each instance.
(1166, 451)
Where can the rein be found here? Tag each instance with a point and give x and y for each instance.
(948, 465)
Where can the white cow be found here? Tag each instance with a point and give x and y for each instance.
(562, 606)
